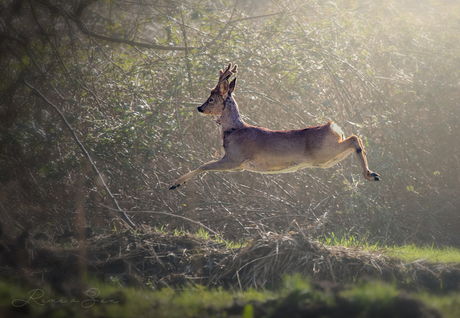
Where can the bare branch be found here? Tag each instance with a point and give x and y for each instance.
(76, 17)
(256, 17)
(85, 152)
(82, 27)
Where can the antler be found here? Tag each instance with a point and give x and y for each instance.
(224, 75)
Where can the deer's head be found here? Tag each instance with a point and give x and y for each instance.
(216, 101)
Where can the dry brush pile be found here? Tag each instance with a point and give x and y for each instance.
(158, 259)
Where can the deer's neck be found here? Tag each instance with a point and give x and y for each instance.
(230, 118)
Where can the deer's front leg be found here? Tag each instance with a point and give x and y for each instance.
(361, 153)
(224, 164)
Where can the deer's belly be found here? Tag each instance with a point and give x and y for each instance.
(271, 167)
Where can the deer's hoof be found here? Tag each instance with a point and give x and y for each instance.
(176, 185)
(372, 176)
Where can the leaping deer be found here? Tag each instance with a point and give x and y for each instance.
(262, 150)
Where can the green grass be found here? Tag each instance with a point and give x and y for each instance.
(411, 253)
(297, 295)
(407, 253)
(103, 300)
(202, 233)
(229, 244)
(448, 305)
(348, 241)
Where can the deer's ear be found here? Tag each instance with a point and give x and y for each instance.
(232, 85)
(223, 87)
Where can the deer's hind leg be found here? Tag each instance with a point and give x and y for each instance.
(224, 164)
(343, 148)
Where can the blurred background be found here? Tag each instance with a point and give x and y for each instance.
(128, 76)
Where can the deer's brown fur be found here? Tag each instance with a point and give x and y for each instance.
(262, 150)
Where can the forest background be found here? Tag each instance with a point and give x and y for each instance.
(127, 76)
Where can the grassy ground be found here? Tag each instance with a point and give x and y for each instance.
(161, 283)
(411, 253)
(296, 297)
(406, 253)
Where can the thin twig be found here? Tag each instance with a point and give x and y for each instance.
(257, 17)
(330, 267)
